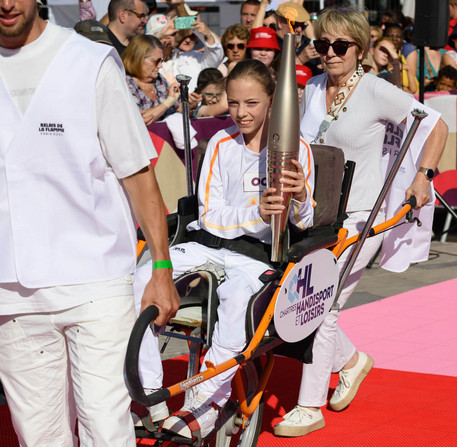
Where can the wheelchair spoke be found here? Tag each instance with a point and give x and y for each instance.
(231, 434)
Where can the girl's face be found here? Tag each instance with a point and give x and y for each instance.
(374, 34)
(264, 55)
(249, 105)
(211, 94)
(381, 56)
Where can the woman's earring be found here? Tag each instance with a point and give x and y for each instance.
(360, 70)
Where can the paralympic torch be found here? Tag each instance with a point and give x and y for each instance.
(283, 140)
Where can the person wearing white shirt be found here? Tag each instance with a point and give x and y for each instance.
(185, 60)
(74, 163)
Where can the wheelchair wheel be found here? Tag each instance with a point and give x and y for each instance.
(231, 433)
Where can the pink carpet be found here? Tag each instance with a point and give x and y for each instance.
(414, 331)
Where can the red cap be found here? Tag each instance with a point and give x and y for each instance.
(263, 37)
(303, 74)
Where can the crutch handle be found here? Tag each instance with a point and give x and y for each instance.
(411, 201)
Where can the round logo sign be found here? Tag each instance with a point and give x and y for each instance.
(306, 296)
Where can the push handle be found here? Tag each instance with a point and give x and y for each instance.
(131, 360)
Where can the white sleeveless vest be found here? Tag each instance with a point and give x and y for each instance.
(64, 216)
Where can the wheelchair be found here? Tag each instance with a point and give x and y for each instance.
(240, 420)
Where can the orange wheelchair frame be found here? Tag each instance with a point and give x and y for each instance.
(246, 414)
(248, 392)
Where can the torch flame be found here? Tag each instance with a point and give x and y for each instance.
(290, 26)
(290, 14)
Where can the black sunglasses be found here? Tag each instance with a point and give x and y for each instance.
(303, 25)
(340, 47)
(140, 16)
(239, 46)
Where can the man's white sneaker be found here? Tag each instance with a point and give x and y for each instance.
(299, 422)
(198, 412)
(350, 380)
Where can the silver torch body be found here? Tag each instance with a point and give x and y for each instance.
(283, 141)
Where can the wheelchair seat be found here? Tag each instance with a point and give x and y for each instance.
(199, 301)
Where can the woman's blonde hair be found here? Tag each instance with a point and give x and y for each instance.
(348, 21)
(238, 31)
(137, 49)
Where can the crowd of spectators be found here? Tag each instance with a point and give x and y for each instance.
(258, 35)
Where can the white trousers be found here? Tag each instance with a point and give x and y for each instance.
(332, 349)
(59, 366)
(229, 337)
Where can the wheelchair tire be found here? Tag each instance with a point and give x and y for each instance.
(229, 435)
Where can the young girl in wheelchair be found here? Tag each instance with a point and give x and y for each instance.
(233, 201)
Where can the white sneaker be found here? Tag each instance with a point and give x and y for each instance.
(350, 380)
(299, 422)
(201, 409)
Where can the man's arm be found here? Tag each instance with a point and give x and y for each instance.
(149, 210)
(260, 16)
(127, 147)
(203, 30)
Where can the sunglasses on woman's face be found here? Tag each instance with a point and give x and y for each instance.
(340, 47)
(239, 46)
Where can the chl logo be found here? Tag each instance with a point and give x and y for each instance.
(303, 282)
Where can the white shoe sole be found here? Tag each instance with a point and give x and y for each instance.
(290, 431)
(343, 403)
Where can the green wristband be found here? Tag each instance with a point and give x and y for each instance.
(162, 265)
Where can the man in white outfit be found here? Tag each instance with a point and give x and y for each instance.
(73, 150)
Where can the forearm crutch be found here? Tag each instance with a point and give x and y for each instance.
(418, 115)
(184, 88)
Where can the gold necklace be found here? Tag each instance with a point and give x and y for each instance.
(147, 88)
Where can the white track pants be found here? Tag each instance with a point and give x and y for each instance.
(229, 337)
(332, 348)
(61, 365)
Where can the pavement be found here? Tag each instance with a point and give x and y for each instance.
(377, 283)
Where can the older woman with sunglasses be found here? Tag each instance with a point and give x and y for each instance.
(234, 41)
(348, 109)
(155, 97)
